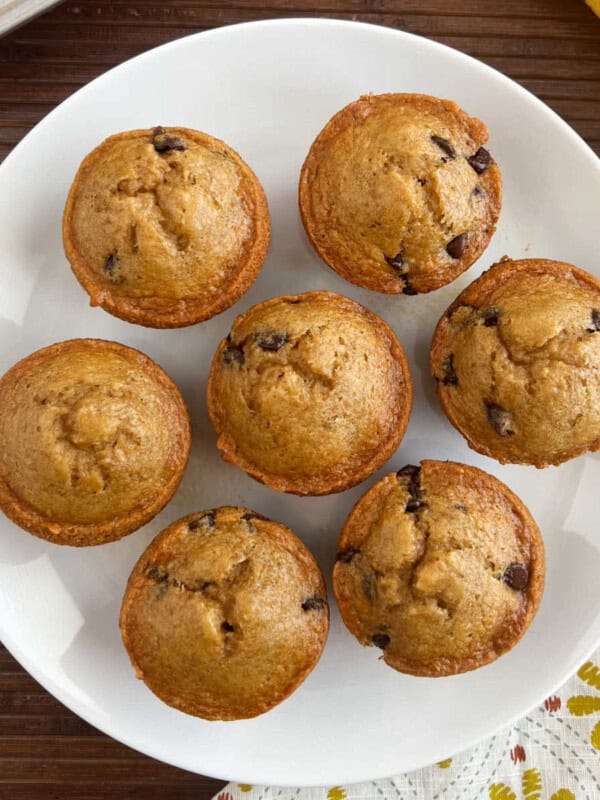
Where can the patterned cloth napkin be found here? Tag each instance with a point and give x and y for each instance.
(553, 753)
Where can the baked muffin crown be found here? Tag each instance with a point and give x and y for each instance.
(398, 194)
(517, 361)
(309, 393)
(94, 439)
(441, 566)
(225, 614)
(165, 227)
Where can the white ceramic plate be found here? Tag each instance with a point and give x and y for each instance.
(267, 89)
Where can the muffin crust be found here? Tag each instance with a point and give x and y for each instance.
(441, 566)
(398, 194)
(310, 393)
(225, 614)
(165, 227)
(517, 361)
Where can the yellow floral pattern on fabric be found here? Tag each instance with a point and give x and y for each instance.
(583, 704)
(563, 794)
(445, 763)
(500, 791)
(531, 782)
(336, 793)
(531, 785)
(245, 787)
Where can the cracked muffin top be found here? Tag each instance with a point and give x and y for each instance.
(398, 194)
(165, 227)
(517, 361)
(94, 439)
(225, 614)
(441, 566)
(309, 394)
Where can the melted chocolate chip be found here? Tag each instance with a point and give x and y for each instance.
(477, 191)
(313, 604)
(595, 326)
(206, 520)
(480, 161)
(233, 353)
(414, 489)
(396, 261)
(253, 515)
(450, 378)
(457, 246)
(163, 142)
(381, 640)
(516, 576)
(500, 419)
(408, 289)
(410, 470)
(156, 574)
(445, 146)
(346, 556)
(490, 318)
(227, 626)
(421, 181)
(272, 342)
(110, 264)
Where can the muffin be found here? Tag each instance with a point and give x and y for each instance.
(94, 439)
(517, 361)
(441, 566)
(309, 394)
(165, 227)
(398, 194)
(225, 614)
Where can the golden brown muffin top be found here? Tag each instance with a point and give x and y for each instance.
(94, 437)
(397, 193)
(165, 227)
(225, 614)
(441, 566)
(517, 360)
(309, 393)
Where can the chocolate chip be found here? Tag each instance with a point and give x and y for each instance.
(163, 142)
(396, 261)
(272, 342)
(381, 640)
(410, 470)
(110, 264)
(480, 161)
(477, 191)
(595, 326)
(253, 515)
(227, 626)
(408, 289)
(313, 604)
(457, 246)
(233, 353)
(156, 574)
(450, 378)
(206, 520)
(444, 145)
(293, 302)
(490, 318)
(346, 556)
(414, 504)
(499, 418)
(516, 576)
(421, 181)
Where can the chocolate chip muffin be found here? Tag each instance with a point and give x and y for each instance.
(165, 227)
(517, 361)
(441, 566)
(398, 193)
(309, 394)
(94, 439)
(225, 614)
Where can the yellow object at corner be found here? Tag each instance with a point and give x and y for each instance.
(595, 6)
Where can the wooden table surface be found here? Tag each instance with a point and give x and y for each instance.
(552, 47)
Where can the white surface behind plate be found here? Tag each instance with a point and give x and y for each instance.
(267, 89)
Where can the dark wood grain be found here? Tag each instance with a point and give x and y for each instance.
(551, 47)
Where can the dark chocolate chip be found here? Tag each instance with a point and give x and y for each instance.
(156, 574)
(110, 264)
(381, 640)
(272, 342)
(499, 418)
(414, 504)
(293, 302)
(457, 246)
(163, 142)
(410, 470)
(233, 353)
(396, 261)
(595, 326)
(450, 378)
(421, 181)
(480, 161)
(227, 626)
(490, 318)
(206, 520)
(313, 604)
(408, 289)
(346, 556)
(253, 515)
(444, 145)
(516, 576)
(477, 191)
